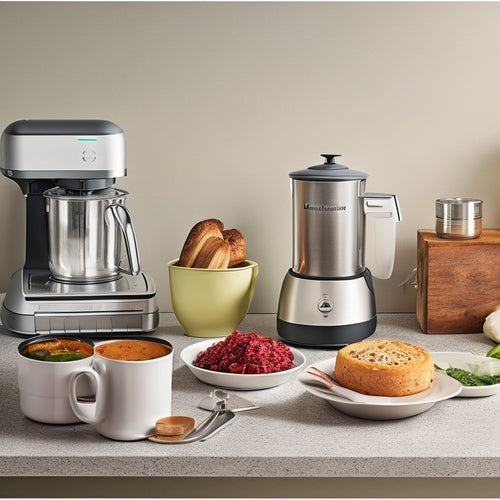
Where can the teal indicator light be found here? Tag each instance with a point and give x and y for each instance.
(85, 139)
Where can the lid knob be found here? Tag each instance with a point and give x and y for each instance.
(329, 158)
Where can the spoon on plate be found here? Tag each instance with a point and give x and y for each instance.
(338, 390)
(335, 388)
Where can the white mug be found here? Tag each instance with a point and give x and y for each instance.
(130, 396)
(43, 385)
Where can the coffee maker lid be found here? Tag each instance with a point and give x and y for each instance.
(62, 127)
(79, 154)
(328, 171)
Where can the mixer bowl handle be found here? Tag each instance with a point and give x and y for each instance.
(382, 211)
(124, 221)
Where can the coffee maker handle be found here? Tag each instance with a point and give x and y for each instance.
(124, 221)
(382, 213)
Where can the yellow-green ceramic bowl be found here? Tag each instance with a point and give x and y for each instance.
(211, 302)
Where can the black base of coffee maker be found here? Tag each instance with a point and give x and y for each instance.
(325, 336)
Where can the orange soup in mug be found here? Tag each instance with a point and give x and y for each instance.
(132, 350)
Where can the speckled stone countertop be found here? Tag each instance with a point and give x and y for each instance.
(293, 434)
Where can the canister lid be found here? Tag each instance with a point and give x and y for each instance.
(328, 171)
(60, 193)
(459, 208)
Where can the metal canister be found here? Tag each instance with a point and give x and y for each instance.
(459, 218)
(86, 232)
(328, 220)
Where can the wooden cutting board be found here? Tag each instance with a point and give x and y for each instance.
(458, 281)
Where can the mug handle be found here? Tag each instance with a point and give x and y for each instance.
(84, 410)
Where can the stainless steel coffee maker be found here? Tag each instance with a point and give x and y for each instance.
(82, 269)
(327, 297)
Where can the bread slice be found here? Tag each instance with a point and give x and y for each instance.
(384, 368)
(237, 244)
(214, 254)
(197, 237)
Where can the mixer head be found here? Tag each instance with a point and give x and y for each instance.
(76, 154)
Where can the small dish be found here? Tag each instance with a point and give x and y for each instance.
(469, 362)
(384, 408)
(238, 381)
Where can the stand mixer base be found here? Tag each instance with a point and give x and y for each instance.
(34, 305)
(326, 312)
(325, 336)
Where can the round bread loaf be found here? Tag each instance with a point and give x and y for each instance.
(237, 245)
(197, 237)
(384, 368)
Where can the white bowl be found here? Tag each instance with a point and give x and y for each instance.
(238, 381)
(468, 361)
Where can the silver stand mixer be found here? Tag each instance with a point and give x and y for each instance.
(81, 274)
(327, 297)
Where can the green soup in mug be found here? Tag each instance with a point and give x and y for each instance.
(58, 350)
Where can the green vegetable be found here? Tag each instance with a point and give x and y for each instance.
(469, 379)
(65, 356)
(489, 379)
(495, 352)
(42, 355)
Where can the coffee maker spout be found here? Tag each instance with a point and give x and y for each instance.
(382, 213)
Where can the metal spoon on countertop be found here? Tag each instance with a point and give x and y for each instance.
(233, 402)
(218, 418)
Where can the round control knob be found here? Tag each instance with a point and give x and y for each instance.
(325, 305)
(88, 155)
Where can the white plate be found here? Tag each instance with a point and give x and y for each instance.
(443, 387)
(238, 381)
(468, 361)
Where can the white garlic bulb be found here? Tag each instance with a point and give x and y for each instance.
(491, 326)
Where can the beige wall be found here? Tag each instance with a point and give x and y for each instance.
(219, 101)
